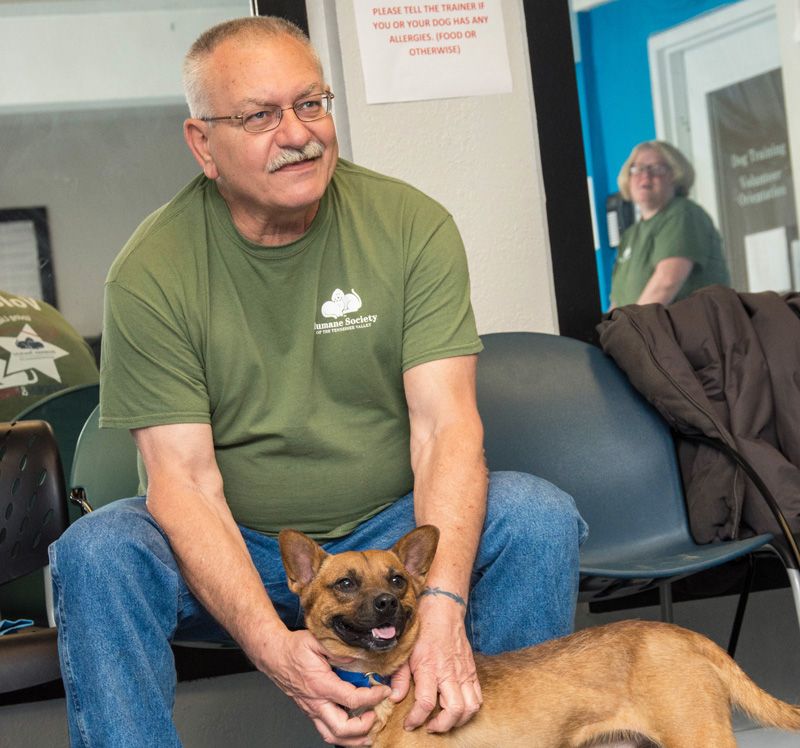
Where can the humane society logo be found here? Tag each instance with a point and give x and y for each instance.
(341, 308)
(341, 303)
(28, 355)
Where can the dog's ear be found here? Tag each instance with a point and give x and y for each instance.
(417, 549)
(302, 558)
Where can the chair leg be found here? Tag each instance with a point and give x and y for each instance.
(665, 597)
(781, 549)
(744, 596)
(48, 597)
(794, 583)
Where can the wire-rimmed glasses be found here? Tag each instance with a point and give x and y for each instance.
(309, 108)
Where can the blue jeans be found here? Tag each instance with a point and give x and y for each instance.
(120, 599)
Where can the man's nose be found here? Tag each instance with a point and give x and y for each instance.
(291, 130)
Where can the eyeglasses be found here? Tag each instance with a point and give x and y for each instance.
(268, 117)
(652, 170)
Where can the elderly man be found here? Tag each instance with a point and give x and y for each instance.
(290, 340)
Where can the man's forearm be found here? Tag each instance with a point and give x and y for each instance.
(217, 567)
(450, 492)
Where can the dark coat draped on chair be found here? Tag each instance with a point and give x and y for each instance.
(725, 365)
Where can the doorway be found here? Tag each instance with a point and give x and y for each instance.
(725, 110)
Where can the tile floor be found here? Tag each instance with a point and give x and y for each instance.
(766, 739)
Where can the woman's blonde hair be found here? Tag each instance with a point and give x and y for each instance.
(682, 170)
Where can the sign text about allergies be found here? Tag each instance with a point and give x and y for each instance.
(431, 28)
(419, 51)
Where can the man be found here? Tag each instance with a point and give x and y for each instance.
(291, 342)
(40, 354)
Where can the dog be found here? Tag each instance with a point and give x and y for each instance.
(648, 683)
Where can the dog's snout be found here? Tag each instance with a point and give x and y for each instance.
(385, 604)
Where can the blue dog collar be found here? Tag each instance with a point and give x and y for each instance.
(361, 680)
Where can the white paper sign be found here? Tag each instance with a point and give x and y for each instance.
(767, 257)
(19, 259)
(420, 51)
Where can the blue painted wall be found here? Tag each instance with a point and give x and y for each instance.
(614, 89)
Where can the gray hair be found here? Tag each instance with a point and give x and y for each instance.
(251, 27)
(682, 170)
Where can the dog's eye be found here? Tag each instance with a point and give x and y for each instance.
(345, 584)
(397, 581)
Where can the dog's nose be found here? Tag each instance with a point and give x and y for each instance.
(385, 603)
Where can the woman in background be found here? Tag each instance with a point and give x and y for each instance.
(674, 249)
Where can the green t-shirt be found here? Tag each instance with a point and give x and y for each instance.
(40, 354)
(293, 354)
(681, 229)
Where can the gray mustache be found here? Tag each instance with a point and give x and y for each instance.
(310, 150)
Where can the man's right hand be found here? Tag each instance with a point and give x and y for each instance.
(296, 662)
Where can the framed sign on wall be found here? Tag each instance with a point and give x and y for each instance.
(26, 263)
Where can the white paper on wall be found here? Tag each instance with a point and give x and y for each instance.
(767, 256)
(417, 51)
(794, 251)
(19, 259)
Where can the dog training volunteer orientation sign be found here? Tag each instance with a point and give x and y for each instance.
(415, 51)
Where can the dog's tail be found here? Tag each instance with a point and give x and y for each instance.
(760, 706)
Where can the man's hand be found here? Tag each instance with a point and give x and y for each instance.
(298, 667)
(441, 664)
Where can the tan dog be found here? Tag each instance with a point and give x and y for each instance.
(654, 684)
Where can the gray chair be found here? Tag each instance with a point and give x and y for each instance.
(33, 513)
(561, 409)
(66, 411)
(104, 465)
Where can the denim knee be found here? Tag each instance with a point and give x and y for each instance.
(525, 581)
(108, 545)
(527, 508)
(117, 598)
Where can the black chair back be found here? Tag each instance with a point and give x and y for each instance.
(33, 508)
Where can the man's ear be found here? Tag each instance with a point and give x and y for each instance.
(302, 558)
(195, 133)
(417, 549)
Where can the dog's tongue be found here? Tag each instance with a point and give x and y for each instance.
(384, 632)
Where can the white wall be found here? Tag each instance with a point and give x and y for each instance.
(479, 156)
(82, 54)
(98, 172)
(789, 31)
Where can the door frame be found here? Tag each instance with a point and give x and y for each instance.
(667, 53)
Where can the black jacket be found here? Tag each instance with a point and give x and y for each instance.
(727, 365)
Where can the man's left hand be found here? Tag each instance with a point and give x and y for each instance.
(442, 665)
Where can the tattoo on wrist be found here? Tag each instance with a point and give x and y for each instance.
(436, 591)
